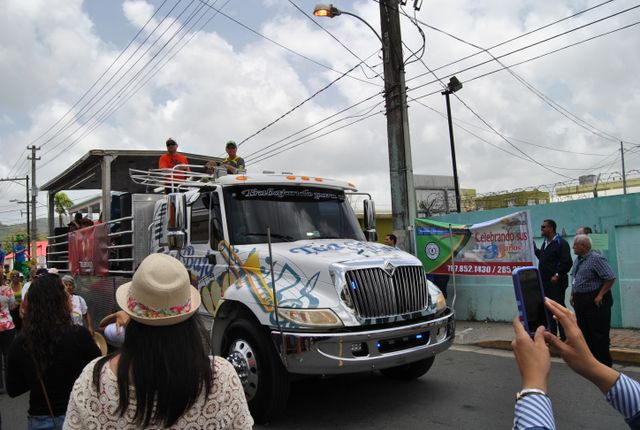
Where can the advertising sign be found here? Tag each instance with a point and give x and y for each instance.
(88, 251)
(491, 248)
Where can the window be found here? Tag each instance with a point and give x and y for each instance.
(291, 213)
(199, 230)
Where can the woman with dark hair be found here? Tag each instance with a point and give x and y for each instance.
(161, 377)
(7, 328)
(48, 354)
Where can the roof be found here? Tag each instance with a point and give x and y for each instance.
(85, 174)
(41, 249)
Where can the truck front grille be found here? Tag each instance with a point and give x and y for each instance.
(376, 292)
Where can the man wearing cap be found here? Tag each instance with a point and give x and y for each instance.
(172, 159)
(233, 162)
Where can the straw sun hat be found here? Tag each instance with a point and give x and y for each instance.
(159, 293)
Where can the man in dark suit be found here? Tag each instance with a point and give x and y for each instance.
(554, 262)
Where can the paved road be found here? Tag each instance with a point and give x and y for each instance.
(466, 388)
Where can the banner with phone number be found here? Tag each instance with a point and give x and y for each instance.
(491, 248)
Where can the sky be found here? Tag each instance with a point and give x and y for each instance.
(549, 88)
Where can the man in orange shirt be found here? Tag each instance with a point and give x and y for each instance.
(172, 159)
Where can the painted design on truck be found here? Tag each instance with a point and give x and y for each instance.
(253, 273)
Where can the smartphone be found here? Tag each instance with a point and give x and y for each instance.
(530, 299)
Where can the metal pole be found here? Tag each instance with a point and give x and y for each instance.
(34, 194)
(624, 174)
(28, 215)
(403, 197)
(453, 151)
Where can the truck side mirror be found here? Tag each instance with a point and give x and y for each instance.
(176, 221)
(370, 221)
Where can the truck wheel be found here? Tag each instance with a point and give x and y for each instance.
(264, 378)
(410, 371)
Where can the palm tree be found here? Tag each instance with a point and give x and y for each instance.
(62, 203)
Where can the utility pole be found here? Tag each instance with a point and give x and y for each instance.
(34, 195)
(624, 174)
(26, 183)
(456, 184)
(403, 196)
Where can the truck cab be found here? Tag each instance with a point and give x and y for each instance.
(294, 288)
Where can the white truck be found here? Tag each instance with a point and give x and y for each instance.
(289, 281)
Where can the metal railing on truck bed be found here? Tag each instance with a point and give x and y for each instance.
(120, 248)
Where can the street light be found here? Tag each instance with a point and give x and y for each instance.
(403, 196)
(330, 11)
(453, 86)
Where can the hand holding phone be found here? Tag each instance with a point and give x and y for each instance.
(527, 285)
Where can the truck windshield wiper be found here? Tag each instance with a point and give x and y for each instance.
(283, 237)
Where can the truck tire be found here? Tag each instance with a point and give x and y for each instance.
(264, 378)
(408, 372)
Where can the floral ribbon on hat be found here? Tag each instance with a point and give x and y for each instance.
(144, 311)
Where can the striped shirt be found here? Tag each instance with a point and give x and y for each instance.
(589, 272)
(624, 396)
(534, 412)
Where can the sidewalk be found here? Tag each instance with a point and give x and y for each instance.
(625, 343)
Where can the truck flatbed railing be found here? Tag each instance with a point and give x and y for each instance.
(178, 178)
(120, 248)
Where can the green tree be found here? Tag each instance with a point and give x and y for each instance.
(62, 203)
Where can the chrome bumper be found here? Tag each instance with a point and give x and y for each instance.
(335, 353)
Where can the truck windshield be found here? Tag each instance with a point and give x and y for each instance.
(292, 213)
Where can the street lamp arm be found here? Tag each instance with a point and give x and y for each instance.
(365, 22)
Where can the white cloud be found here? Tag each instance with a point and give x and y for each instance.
(138, 12)
(217, 89)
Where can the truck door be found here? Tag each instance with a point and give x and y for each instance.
(205, 233)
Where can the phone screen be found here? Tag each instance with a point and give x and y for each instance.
(533, 299)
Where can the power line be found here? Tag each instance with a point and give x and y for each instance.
(556, 106)
(564, 33)
(105, 72)
(315, 22)
(130, 68)
(467, 80)
(526, 142)
(524, 34)
(118, 100)
(314, 124)
(246, 27)
(301, 103)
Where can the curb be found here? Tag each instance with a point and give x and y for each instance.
(619, 355)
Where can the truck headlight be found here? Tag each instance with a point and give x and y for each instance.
(311, 317)
(441, 302)
(437, 298)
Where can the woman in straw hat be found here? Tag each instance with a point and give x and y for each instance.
(49, 353)
(161, 377)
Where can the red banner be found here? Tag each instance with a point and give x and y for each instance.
(89, 251)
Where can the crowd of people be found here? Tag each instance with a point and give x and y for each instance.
(160, 377)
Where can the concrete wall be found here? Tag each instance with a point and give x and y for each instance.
(492, 298)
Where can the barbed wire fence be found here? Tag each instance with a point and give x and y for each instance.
(442, 201)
